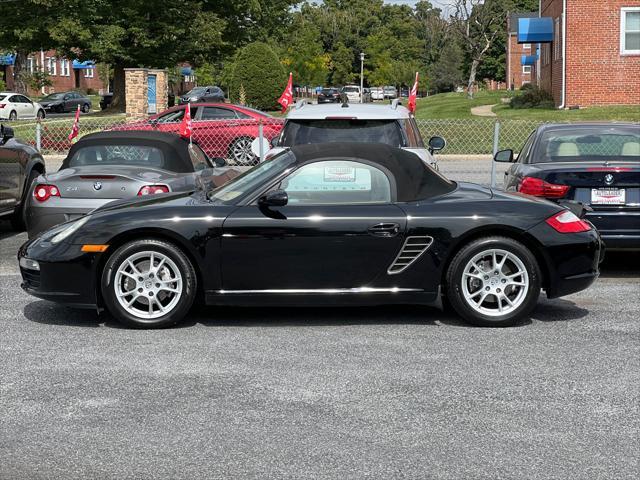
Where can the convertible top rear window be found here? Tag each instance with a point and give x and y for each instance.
(122, 155)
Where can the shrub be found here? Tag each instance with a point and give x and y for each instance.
(526, 86)
(258, 70)
(532, 97)
(3, 86)
(92, 91)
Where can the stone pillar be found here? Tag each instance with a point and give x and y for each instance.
(136, 91)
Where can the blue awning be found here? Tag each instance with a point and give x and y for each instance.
(529, 59)
(535, 30)
(186, 71)
(8, 59)
(78, 65)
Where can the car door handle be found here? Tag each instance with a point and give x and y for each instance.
(384, 230)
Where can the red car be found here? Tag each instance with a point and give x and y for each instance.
(222, 130)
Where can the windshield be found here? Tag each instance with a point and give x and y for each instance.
(246, 183)
(196, 90)
(351, 89)
(54, 96)
(299, 132)
(2, 97)
(589, 144)
(328, 91)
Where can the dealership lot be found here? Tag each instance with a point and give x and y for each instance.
(327, 393)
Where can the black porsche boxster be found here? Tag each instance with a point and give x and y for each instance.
(324, 224)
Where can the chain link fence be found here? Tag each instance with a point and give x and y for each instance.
(467, 156)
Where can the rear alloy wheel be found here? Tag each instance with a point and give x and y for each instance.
(13, 115)
(240, 152)
(85, 108)
(149, 284)
(493, 282)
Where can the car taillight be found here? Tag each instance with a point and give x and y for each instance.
(2, 105)
(539, 188)
(152, 189)
(43, 192)
(567, 222)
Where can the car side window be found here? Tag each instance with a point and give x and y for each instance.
(242, 115)
(523, 156)
(337, 182)
(216, 113)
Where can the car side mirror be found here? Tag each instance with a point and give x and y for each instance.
(436, 144)
(6, 134)
(504, 156)
(274, 198)
(219, 162)
(274, 142)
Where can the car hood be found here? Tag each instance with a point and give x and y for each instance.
(162, 200)
(46, 103)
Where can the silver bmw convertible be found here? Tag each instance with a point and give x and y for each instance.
(108, 166)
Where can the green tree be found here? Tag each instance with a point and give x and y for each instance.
(258, 70)
(140, 34)
(341, 65)
(303, 53)
(30, 33)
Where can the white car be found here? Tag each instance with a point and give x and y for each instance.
(391, 124)
(390, 92)
(377, 93)
(352, 92)
(15, 106)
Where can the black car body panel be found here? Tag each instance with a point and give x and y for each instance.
(619, 225)
(246, 253)
(17, 161)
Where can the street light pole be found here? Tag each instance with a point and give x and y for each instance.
(361, 77)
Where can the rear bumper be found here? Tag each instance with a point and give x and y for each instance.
(620, 229)
(41, 218)
(572, 260)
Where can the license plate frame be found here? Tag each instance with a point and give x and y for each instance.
(608, 196)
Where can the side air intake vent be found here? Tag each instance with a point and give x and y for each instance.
(411, 250)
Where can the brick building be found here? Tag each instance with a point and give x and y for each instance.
(518, 74)
(594, 58)
(64, 74)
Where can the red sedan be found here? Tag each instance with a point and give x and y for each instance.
(222, 130)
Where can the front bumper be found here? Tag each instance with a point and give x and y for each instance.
(66, 275)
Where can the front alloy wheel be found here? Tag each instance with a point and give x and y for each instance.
(493, 282)
(149, 284)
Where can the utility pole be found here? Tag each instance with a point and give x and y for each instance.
(361, 77)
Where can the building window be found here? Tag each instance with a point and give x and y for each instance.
(557, 42)
(630, 31)
(545, 54)
(51, 65)
(31, 64)
(64, 67)
(526, 46)
(88, 73)
(526, 69)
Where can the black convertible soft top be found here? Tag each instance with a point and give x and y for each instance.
(174, 147)
(415, 180)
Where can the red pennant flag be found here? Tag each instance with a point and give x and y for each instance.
(186, 129)
(286, 98)
(413, 95)
(76, 125)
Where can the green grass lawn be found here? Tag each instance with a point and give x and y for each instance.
(455, 105)
(458, 106)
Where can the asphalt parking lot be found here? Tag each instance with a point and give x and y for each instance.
(401, 392)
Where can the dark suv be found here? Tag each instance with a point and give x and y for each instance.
(20, 164)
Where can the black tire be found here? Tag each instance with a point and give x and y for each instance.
(40, 115)
(86, 108)
(13, 115)
(455, 275)
(180, 260)
(244, 144)
(19, 217)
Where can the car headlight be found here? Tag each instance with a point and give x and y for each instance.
(69, 229)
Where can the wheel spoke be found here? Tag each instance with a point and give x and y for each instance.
(132, 301)
(172, 290)
(507, 299)
(130, 275)
(133, 267)
(500, 264)
(473, 275)
(126, 294)
(485, 295)
(499, 299)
